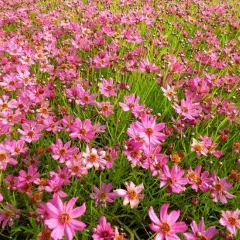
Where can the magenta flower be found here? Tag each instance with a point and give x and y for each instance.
(230, 219)
(8, 214)
(173, 179)
(131, 195)
(149, 130)
(199, 231)
(55, 186)
(108, 88)
(188, 109)
(31, 132)
(145, 66)
(61, 152)
(166, 226)
(104, 230)
(198, 180)
(61, 218)
(30, 176)
(104, 194)
(131, 103)
(82, 130)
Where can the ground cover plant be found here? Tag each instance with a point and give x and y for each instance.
(119, 119)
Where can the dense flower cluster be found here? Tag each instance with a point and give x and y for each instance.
(119, 107)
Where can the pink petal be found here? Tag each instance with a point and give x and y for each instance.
(51, 223)
(52, 210)
(70, 204)
(173, 217)
(77, 212)
(58, 232)
(78, 225)
(69, 232)
(153, 216)
(163, 212)
(179, 227)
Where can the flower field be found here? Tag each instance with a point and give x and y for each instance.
(119, 119)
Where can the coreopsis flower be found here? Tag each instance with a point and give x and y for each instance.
(62, 218)
(145, 66)
(131, 195)
(207, 143)
(166, 226)
(119, 236)
(61, 152)
(173, 179)
(8, 214)
(218, 188)
(5, 158)
(108, 88)
(149, 130)
(131, 103)
(199, 148)
(188, 109)
(105, 108)
(103, 195)
(104, 230)
(230, 219)
(199, 231)
(197, 179)
(169, 92)
(83, 130)
(30, 176)
(31, 132)
(94, 158)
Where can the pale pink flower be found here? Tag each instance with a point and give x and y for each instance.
(219, 187)
(131, 195)
(230, 219)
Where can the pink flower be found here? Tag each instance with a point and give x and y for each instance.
(145, 66)
(169, 92)
(219, 187)
(199, 231)
(131, 102)
(166, 226)
(61, 218)
(149, 130)
(106, 108)
(8, 214)
(173, 178)
(107, 88)
(31, 132)
(61, 152)
(5, 158)
(230, 219)
(55, 186)
(104, 194)
(104, 230)
(199, 148)
(28, 177)
(198, 180)
(82, 130)
(131, 195)
(188, 109)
